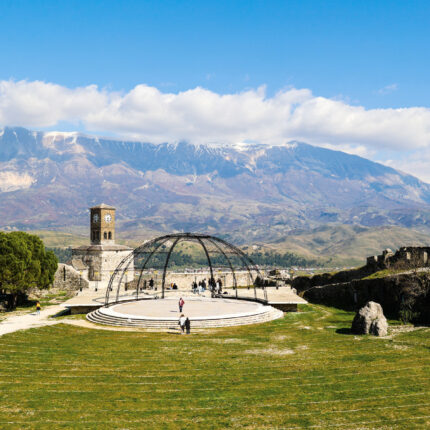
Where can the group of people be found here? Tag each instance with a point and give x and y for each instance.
(184, 322)
(147, 285)
(214, 286)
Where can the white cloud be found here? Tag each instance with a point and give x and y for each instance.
(388, 89)
(360, 150)
(416, 163)
(202, 116)
(40, 104)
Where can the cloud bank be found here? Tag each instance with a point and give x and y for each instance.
(202, 116)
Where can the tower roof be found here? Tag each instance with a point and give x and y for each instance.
(103, 206)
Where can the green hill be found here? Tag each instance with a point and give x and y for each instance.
(347, 244)
(331, 245)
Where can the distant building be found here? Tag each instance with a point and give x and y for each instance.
(98, 261)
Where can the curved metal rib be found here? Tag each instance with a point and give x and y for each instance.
(162, 242)
(209, 262)
(203, 239)
(166, 263)
(229, 263)
(116, 271)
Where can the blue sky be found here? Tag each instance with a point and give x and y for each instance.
(348, 75)
(348, 49)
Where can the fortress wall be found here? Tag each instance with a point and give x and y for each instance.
(396, 294)
(184, 280)
(68, 279)
(102, 264)
(407, 256)
(109, 260)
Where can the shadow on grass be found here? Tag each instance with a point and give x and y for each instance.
(22, 306)
(345, 330)
(27, 304)
(64, 312)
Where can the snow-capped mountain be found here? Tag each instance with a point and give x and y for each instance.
(48, 180)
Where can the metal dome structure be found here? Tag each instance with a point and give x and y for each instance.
(150, 262)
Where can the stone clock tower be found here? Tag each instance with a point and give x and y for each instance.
(102, 224)
(98, 261)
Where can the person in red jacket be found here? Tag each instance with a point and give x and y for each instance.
(181, 304)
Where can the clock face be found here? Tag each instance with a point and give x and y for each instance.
(108, 218)
(95, 218)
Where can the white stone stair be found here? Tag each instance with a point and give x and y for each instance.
(99, 317)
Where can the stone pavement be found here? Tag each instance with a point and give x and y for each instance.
(195, 307)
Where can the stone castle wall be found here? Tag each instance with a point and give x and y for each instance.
(68, 279)
(184, 280)
(405, 257)
(102, 263)
(396, 294)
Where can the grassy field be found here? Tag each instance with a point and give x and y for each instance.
(303, 371)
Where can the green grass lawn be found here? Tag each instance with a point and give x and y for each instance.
(303, 371)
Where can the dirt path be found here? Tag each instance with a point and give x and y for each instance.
(30, 320)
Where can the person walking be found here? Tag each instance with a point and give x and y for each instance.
(181, 304)
(38, 307)
(187, 325)
(181, 322)
(218, 286)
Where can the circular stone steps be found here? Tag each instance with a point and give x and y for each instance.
(106, 317)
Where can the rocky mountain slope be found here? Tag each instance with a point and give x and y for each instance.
(252, 192)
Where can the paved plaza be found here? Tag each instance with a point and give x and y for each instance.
(195, 307)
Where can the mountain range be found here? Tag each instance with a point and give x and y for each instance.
(248, 192)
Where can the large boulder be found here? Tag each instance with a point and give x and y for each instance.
(370, 319)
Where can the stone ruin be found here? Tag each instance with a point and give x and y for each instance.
(278, 278)
(69, 279)
(404, 258)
